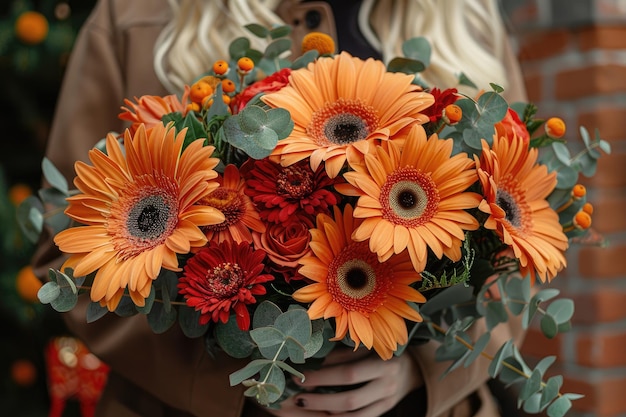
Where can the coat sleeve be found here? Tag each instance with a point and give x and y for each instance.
(170, 367)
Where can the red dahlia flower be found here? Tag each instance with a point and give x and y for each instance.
(224, 278)
(442, 99)
(269, 84)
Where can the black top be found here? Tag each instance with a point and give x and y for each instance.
(349, 35)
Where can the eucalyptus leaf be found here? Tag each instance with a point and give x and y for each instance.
(561, 151)
(238, 48)
(159, 320)
(95, 311)
(280, 31)
(273, 378)
(566, 177)
(545, 363)
(277, 47)
(418, 49)
(559, 407)
(48, 292)
(533, 404)
(195, 129)
(189, 321)
(305, 59)
(65, 302)
(295, 324)
(234, 341)
(549, 392)
(549, 326)
(405, 65)
(531, 386)
(496, 363)
(265, 314)
(54, 176)
(258, 30)
(561, 310)
(496, 314)
(126, 308)
(479, 346)
(30, 218)
(149, 302)
(251, 369)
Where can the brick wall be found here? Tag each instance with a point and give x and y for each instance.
(573, 55)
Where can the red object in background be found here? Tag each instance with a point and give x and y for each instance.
(73, 373)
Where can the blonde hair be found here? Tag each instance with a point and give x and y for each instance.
(201, 31)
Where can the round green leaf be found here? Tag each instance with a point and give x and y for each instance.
(561, 310)
(48, 292)
(189, 321)
(234, 341)
(549, 327)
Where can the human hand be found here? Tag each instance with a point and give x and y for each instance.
(385, 384)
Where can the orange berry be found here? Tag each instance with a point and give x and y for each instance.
(588, 208)
(452, 114)
(323, 43)
(228, 86)
(19, 193)
(199, 90)
(207, 102)
(555, 128)
(31, 27)
(27, 284)
(245, 64)
(23, 372)
(582, 220)
(193, 107)
(579, 191)
(220, 67)
(226, 99)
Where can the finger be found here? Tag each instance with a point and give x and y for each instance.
(345, 374)
(346, 354)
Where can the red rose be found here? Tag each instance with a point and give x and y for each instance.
(269, 84)
(511, 126)
(285, 244)
(442, 99)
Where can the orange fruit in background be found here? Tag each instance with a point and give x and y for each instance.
(19, 193)
(23, 372)
(31, 27)
(28, 284)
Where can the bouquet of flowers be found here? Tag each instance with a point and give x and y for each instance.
(280, 208)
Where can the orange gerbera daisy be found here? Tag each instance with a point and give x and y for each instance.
(515, 191)
(339, 104)
(241, 215)
(139, 210)
(368, 298)
(149, 110)
(414, 198)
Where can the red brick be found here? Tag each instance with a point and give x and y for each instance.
(604, 397)
(601, 350)
(539, 346)
(602, 37)
(590, 81)
(544, 44)
(609, 262)
(608, 213)
(608, 120)
(610, 173)
(601, 305)
(534, 87)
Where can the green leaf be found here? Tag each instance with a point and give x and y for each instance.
(545, 363)
(496, 363)
(492, 108)
(48, 292)
(496, 313)
(561, 310)
(295, 324)
(160, 320)
(518, 292)
(305, 59)
(251, 369)
(195, 129)
(496, 88)
(559, 407)
(258, 30)
(149, 303)
(405, 65)
(279, 120)
(274, 382)
(277, 47)
(54, 176)
(95, 311)
(267, 336)
(464, 80)
(280, 31)
(234, 341)
(566, 177)
(265, 314)
(29, 215)
(418, 49)
(189, 321)
(531, 386)
(479, 346)
(605, 146)
(238, 48)
(532, 405)
(549, 327)
(561, 151)
(126, 308)
(290, 369)
(551, 390)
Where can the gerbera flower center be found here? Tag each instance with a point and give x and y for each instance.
(295, 182)
(230, 203)
(225, 280)
(342, 122)
(356, 279)
(409, 197)
(144, 217)
(511, 200)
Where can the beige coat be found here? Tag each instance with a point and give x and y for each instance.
(169, 374)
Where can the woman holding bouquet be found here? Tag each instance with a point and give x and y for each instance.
(133, 48)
